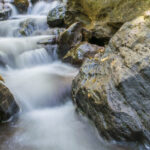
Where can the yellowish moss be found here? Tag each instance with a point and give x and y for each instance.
(109, 11)
(24, 2)
(1, 78)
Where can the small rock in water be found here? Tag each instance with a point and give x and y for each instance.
(8, 105)
(56, 16)
(82, 51)
(69, 38)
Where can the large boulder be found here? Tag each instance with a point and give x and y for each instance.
(8, 106)
(114, 90)
(103, 17)
(69, 38)
(56, 16)
(79, 53)
(22, 5)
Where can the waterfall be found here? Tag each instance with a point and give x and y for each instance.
(14, 11)
(43, 7)
(32, 58)
(41, 85)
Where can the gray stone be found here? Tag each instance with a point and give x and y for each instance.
(69, 38)
(56, 16)
(113, 90)
(79, 53)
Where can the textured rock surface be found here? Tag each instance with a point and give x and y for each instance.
(103, 17)
(8, 106)
(83, 50)
(69, 38)
(22, 5)
(56, 16)
(114, 90)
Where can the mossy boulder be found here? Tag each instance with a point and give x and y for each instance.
(22, 5)
(103, 17)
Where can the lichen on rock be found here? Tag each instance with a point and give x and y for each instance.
(103, 17)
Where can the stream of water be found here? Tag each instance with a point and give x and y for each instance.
(41, 85)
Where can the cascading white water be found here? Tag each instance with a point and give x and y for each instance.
(12, 48)
(41, 85)
(33, 58)
(13, 8)
(43, 7)
(11, 28)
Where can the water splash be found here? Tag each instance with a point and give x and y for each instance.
(33, 58)
(11, 48)
(22, 22)
(14, 11)
(43, 7)
(44, 85)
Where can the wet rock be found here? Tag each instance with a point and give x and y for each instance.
(27, 27)
(5, 14)
(22, 5)
(8, 106)
(69, 38)
(113, 90)
(103, 17)
(50, 40)
(52, 31)
(79, 53)
(56, 16)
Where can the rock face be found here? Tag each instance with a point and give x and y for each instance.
(69, 38)
(8, 106)
(56, 16)
(22, 5)
(103, 17)
(114, 90)
(77, 55)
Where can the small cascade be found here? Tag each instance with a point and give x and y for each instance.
(14, 11)
(38, 87)
(43, 7)
(30, 7)
(11, 48)
(28, 24)
(33, 58)
(12, 25)
(41, 85)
